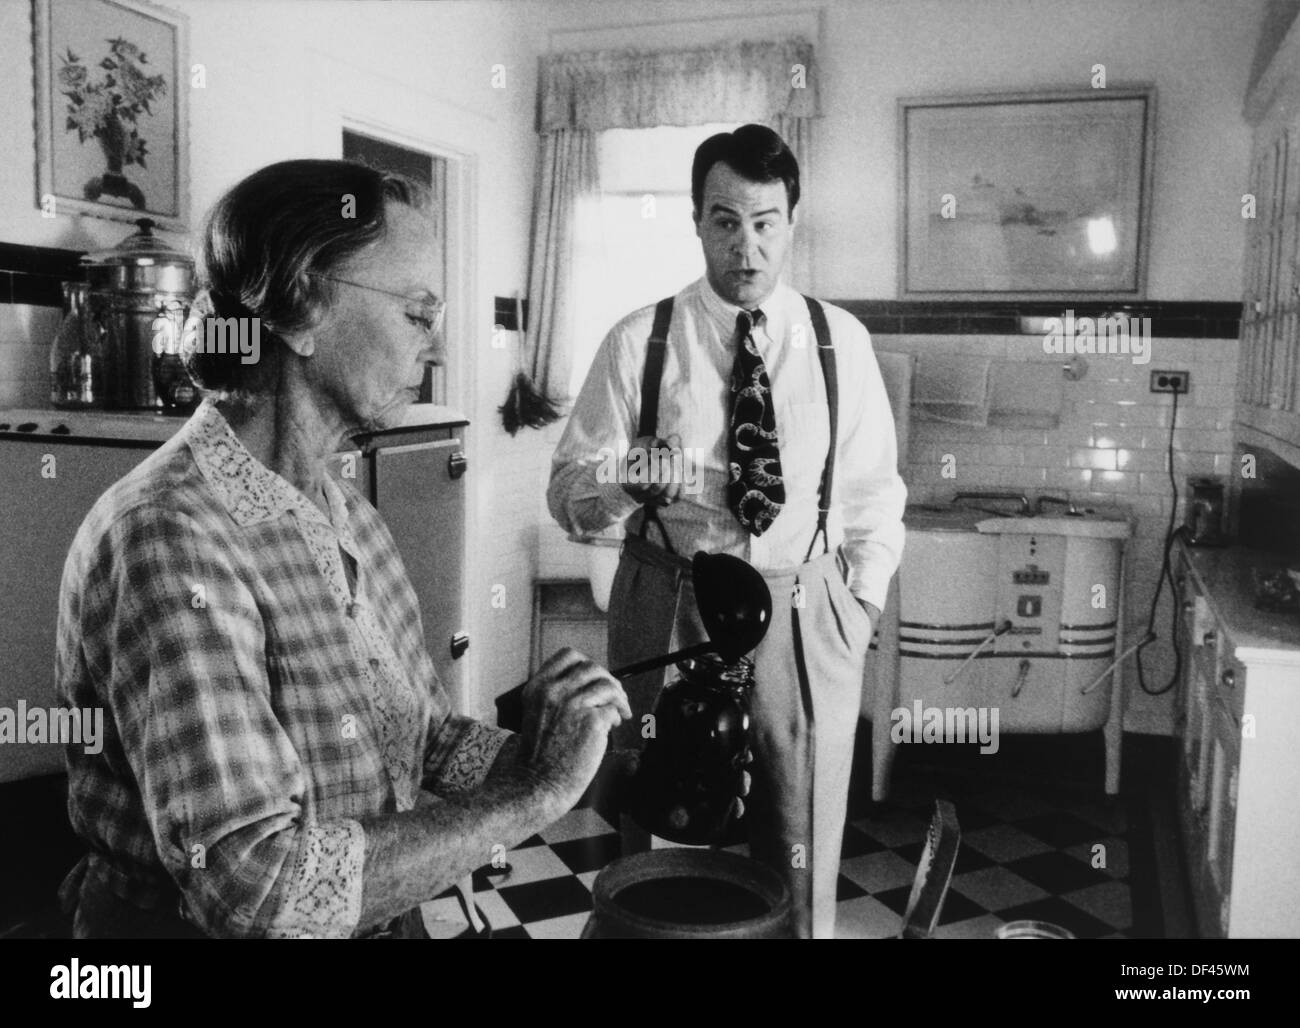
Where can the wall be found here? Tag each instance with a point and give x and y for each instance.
(1110, 443)
(279, 77)
(1198, 53)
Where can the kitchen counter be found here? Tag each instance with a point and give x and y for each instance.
(158, 427)
(1226, 577)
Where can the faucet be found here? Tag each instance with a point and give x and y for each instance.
(1064, 501)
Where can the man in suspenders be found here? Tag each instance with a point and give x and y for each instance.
(775, 403)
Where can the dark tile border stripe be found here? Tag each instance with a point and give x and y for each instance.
(35, 274)
(1169, 318)
(36, 290)
(41, 260)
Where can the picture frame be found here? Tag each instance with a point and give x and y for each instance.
(112, 110)
(1026, 196)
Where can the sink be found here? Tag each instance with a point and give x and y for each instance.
(928, 518)
(1079, 526)
(1090, 523)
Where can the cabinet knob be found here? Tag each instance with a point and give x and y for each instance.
(459, 644)
(1228, 678)
(457, 464)
(1208, 638)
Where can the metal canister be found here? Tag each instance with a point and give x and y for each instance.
(140, 294)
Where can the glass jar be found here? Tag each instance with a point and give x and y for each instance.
(689, 782)
(171, 379)
(77, 353)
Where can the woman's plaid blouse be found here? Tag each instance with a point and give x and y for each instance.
(255, 708)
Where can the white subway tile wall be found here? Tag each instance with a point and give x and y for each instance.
(25, 336)
(1109, 449)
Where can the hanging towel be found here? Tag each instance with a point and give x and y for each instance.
(952, 388)
(898, 370)
(1026, 395)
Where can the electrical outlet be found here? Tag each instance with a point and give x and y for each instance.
(1170, 381)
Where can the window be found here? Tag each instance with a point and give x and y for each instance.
(636, 242)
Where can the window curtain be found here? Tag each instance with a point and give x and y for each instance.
(770, 82)
(567, 181)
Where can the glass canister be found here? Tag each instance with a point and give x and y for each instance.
(77, 353)
(689, 782)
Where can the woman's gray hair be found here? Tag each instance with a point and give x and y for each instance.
(266, 245)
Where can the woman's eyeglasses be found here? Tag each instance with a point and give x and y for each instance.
(431, 311)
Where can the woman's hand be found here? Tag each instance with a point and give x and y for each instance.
(569, 707)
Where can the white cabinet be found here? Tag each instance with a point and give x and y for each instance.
(1238, 701)
(1268, 385)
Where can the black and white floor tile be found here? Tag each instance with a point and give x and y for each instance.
(1047, 852)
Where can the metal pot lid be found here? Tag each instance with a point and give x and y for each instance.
(141, 248)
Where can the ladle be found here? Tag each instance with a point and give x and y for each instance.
(735, 606)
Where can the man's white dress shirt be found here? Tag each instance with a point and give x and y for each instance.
(694, 405)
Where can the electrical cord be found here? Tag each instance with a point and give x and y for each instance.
(1171, 534)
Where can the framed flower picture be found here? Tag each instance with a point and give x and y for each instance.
(1026, 195)
(112, 112)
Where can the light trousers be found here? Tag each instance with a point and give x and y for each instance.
(803, 710)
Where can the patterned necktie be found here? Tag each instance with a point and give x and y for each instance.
(755, 492)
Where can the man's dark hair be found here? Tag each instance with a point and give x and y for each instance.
(754, 152)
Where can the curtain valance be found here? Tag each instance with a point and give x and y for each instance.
(737, 82)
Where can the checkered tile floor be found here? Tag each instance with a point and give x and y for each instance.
(1025, 854)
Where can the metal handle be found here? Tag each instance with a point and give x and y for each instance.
(457, 464)
(459, 644)
(1228, 677)
(1002, 629)
(1020, 678)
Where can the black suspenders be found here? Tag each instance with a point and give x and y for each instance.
(654, 367)
(826, 354)
(649, 417)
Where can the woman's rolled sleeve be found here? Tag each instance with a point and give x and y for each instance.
(461, 751)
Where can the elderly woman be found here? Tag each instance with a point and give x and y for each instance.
(280, 758)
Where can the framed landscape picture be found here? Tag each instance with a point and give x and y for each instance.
(112, 87)
(1026, 195)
